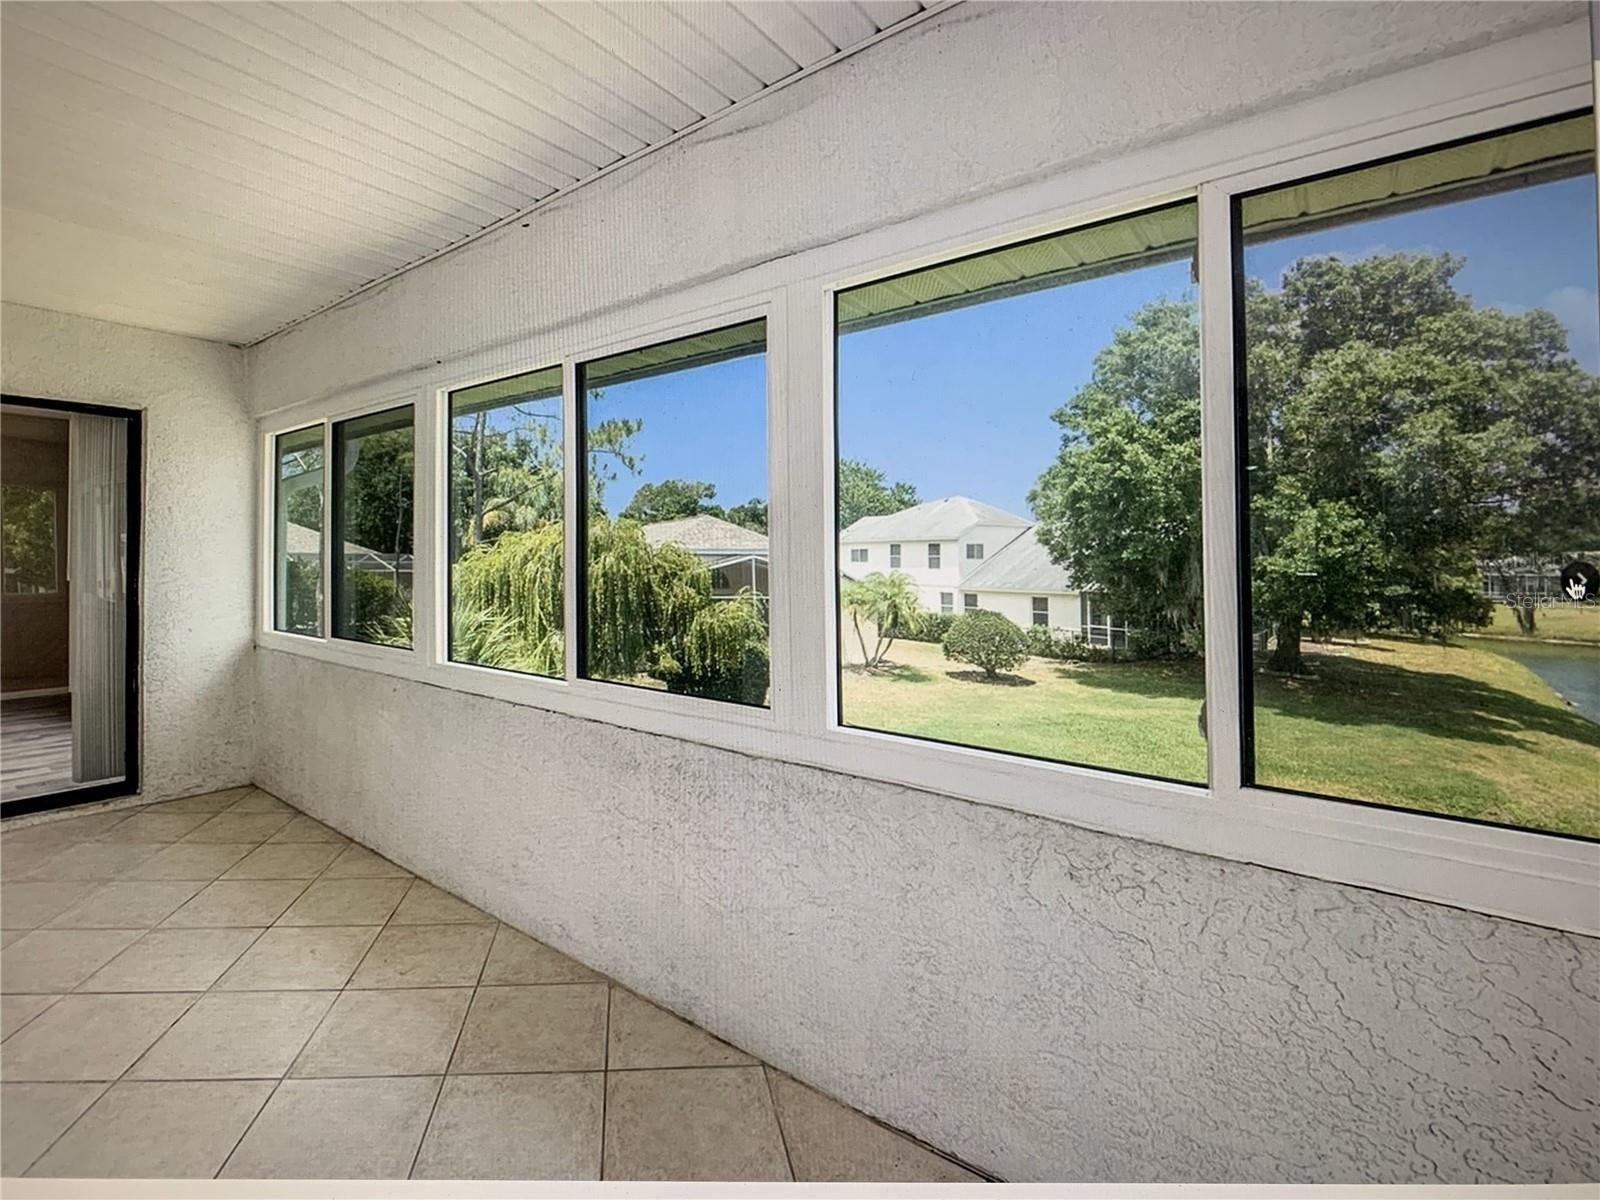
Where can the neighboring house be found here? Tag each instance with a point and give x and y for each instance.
(1530, 577)
(962, 554)
(737, 556)
(305, 545)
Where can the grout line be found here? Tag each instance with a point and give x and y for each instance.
(461, 1030)
(777, 1117)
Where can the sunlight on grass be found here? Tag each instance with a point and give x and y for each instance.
(1449, 729)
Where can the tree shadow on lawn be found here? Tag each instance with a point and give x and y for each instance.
(1353, 691)
(1001, 680)
(891, 672)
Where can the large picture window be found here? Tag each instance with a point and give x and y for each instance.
(374, 462)
(297, 532)
(1079, 473)
(506, 524)
(674, 454)
(1421, 457)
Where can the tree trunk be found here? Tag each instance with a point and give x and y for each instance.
(476, 470)
(1285, 656)
(866, 659)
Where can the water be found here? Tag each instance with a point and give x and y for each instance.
(1572, 670)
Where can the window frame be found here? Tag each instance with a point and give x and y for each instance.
(864, 551)
(935, 556)
(272, 533)
(333, 539)
(1546, 879)
(1036, 604)
(894, 556)
(970, 556)
(947, 604)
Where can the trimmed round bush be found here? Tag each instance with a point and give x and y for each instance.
(987, 640)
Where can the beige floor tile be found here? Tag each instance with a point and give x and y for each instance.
(515, 1127)
(154, 827)
(551, 1027)
(255, 801)
(357, 862)
(172, 960)
(336, 1129)
(210, 802)
(297, 958)
(518, 958)
(346, 902)
(240, 827)
(18, 860)
(395, 1032)
(425, 956)
(58, 960)
(128, 904)
(830, 1143)
(32, 1115)
(305, 829)
(7, 936)
(203, 861)
(89, 1037)
(235, 1035)
(645, 1035)
(30, 905)
(697, 1123)
(427, 905)
(289, 860)
(17, 1011)
(75, 829)
(237, 902)
(95, 860)
(157, 1131)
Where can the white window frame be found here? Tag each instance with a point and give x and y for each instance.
(270, 537)
(859, 554)
(971, 546)
(894, 556)
(935, 556)
(1540, 878)
(947, 603)
(969, 602)
(1034, 605)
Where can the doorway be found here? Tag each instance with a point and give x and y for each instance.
(70, 493)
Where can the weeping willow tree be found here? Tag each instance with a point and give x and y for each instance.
(507, 602)
(650, 613)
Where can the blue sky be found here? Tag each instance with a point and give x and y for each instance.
(960, 402)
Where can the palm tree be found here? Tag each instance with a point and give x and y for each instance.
(890, 603)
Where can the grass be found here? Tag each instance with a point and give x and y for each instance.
(1452, 729)
(1566, 622)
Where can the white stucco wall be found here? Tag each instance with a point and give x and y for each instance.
(199, 526)
(1046, 1002)
(1049, 1003)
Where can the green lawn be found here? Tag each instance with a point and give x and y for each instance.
(1568, 622)
(1454, 729)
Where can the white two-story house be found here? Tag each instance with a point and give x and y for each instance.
(963, 554)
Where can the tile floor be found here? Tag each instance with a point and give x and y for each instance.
(221, 986)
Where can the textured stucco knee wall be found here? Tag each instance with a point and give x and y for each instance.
(199, 526)
(1046, 1002)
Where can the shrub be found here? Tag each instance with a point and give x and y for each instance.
(987, 640)
(376, 607)
(722, 654)
(930, 628)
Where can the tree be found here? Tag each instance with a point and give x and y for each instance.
(752, 514)
(671, 500)
(29, 539)
(1397, 438)
(889, 603)
(989, 640)
(863, 492)
(377, 507)
(1120, 506)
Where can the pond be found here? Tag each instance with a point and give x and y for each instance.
(1573, 670)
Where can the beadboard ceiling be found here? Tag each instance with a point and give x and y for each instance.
(224, 170)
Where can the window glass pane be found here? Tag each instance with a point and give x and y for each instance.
(374, 462)
(297, 553)
(1422, 417)
(675, 538)
(506, 524)
(29, 548)
(1079, 473)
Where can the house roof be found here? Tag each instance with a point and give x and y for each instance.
(936, 520)
(301, 541)
(1021, 565)
(705, 532)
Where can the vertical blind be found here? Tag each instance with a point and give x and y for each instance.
(97, 557)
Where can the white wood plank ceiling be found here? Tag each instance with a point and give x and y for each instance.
(225, 169)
